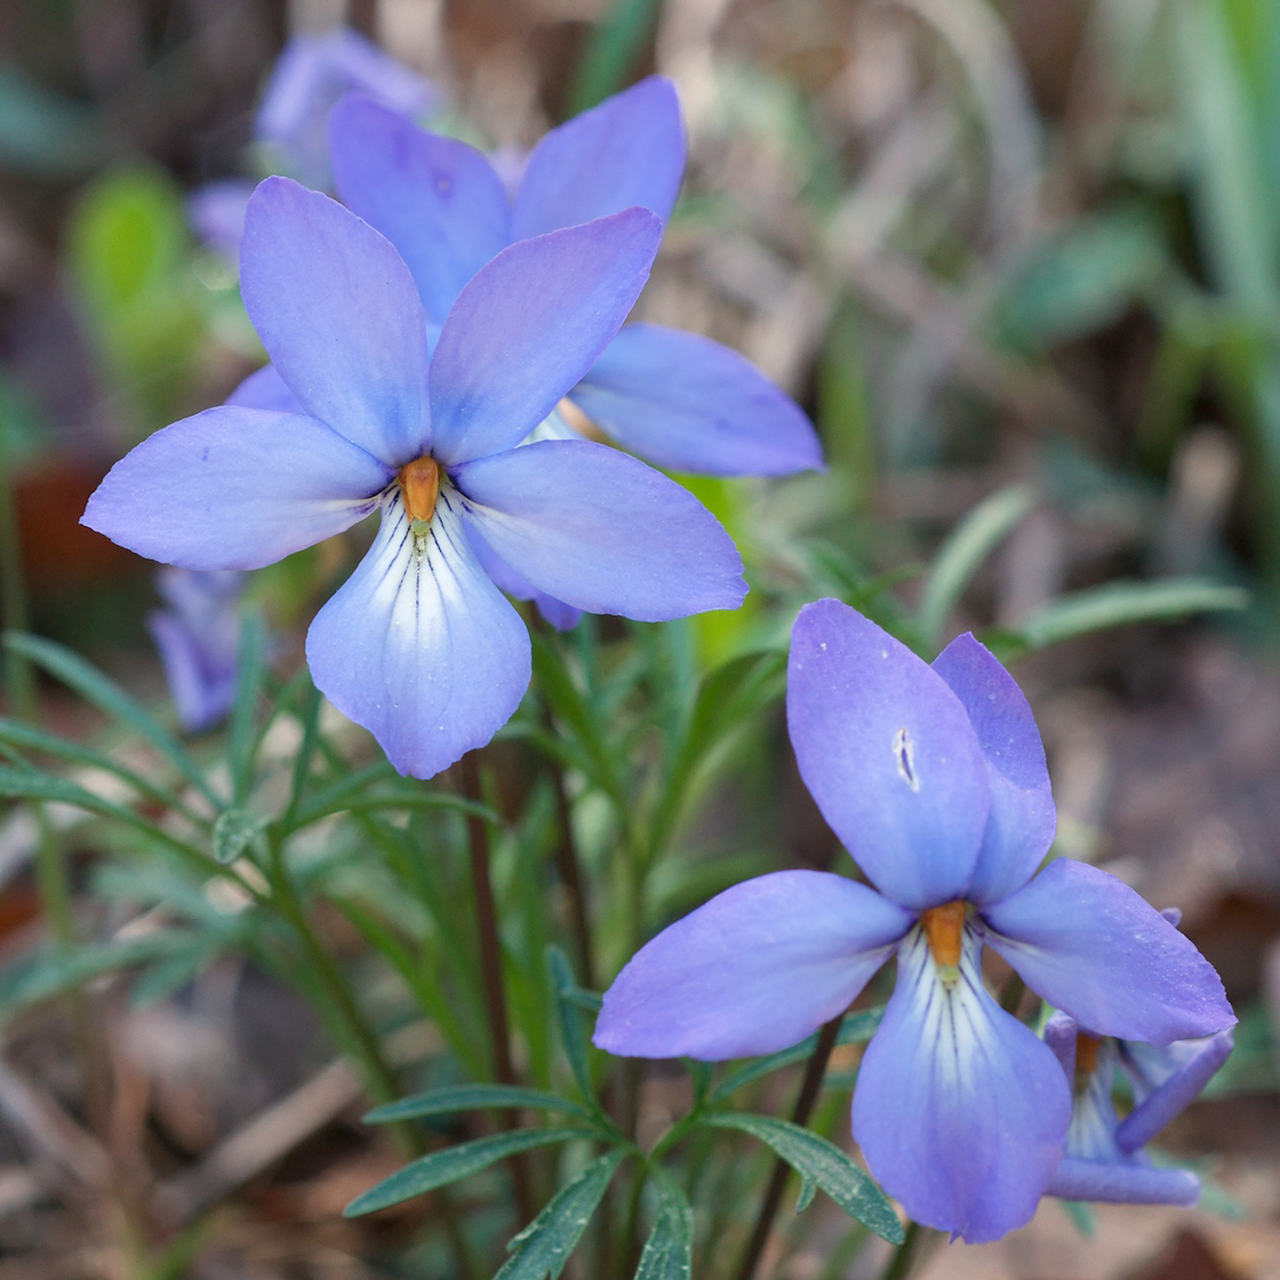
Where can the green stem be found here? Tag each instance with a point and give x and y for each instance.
(491, 971)
(900, 1262)
(805, 1100)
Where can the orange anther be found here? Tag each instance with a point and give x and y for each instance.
(944, 928)
(1087, 1052)
(420, 485)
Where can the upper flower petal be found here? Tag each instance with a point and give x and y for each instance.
(1022, 820)
(337, 310)
(529, 325)
(688, 403)
(419, 646)
(439, 201)
(312, 73)
(628, 151)
(754, 970)
(235, 488)
(1166, 1081)
(887, 751)
(601, 531)
(1091, 946)
(960, 1110)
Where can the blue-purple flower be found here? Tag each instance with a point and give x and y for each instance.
(935, 780)
(198, 636)
(418, 645)
(1104, 1159)
(313, 72)
(676, 399)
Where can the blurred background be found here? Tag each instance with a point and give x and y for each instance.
(985, 243)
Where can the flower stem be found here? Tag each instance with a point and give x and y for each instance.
(808, 1095)
(902, 1258)
(491, 971)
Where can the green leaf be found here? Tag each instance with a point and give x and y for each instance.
(442, 1167)
(105, 694)
(251, 673)
(1117, 604)
(668, 1253)
(42, 132)
(1081, 1216)
(727, 697)
(822, 1163)
(540, 1251)
(234, 832)
(857, 1028)
(612, 51)
(578, 721)
(572, 1035)
(468, 1097)
(967, 546)
(29, 738)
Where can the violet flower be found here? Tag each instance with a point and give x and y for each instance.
(676, 399)
(935, 780)
(1104, 1159)
(198, 637)
(418, 645)
(313, 71)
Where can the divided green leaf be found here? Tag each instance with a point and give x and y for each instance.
(668, 1253)
(818, 1161)
(470, 1097)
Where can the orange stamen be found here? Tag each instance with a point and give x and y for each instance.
(944, 928)
(580, 422)
(420, 485)
(1087, 1052)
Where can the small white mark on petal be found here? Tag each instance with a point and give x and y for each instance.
(905, 753)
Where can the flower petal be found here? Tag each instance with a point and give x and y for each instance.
(1091, 946)
(235, 488)
(529, 325)
(338, 312)
(1123, 1182)
(961, 1112)
(216, 213)
(601, 531)
(563, 617)
(418, 646)
(265, 389)
(1022, 821)
(1166, 1082)
(754, 970)
(312, 73)
(439, 201)
(887, 751)
(629, 150)
(685, 402)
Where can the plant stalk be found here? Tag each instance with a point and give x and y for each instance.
(808, 1095)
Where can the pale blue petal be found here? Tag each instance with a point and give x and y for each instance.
(1166, 1082)
(889, 754)
(961, 1112)
(563, 617)
(687, 403)
(754, 970)
(337, 310)
(1091, 946)
(439, 201)
(235, 488)
(629, 150)
(1022, 821)
(312, 73)
(1123, 1182)
(419, 646)
(529, 325)
(265, 389)
(601, 531)
(216, 213)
